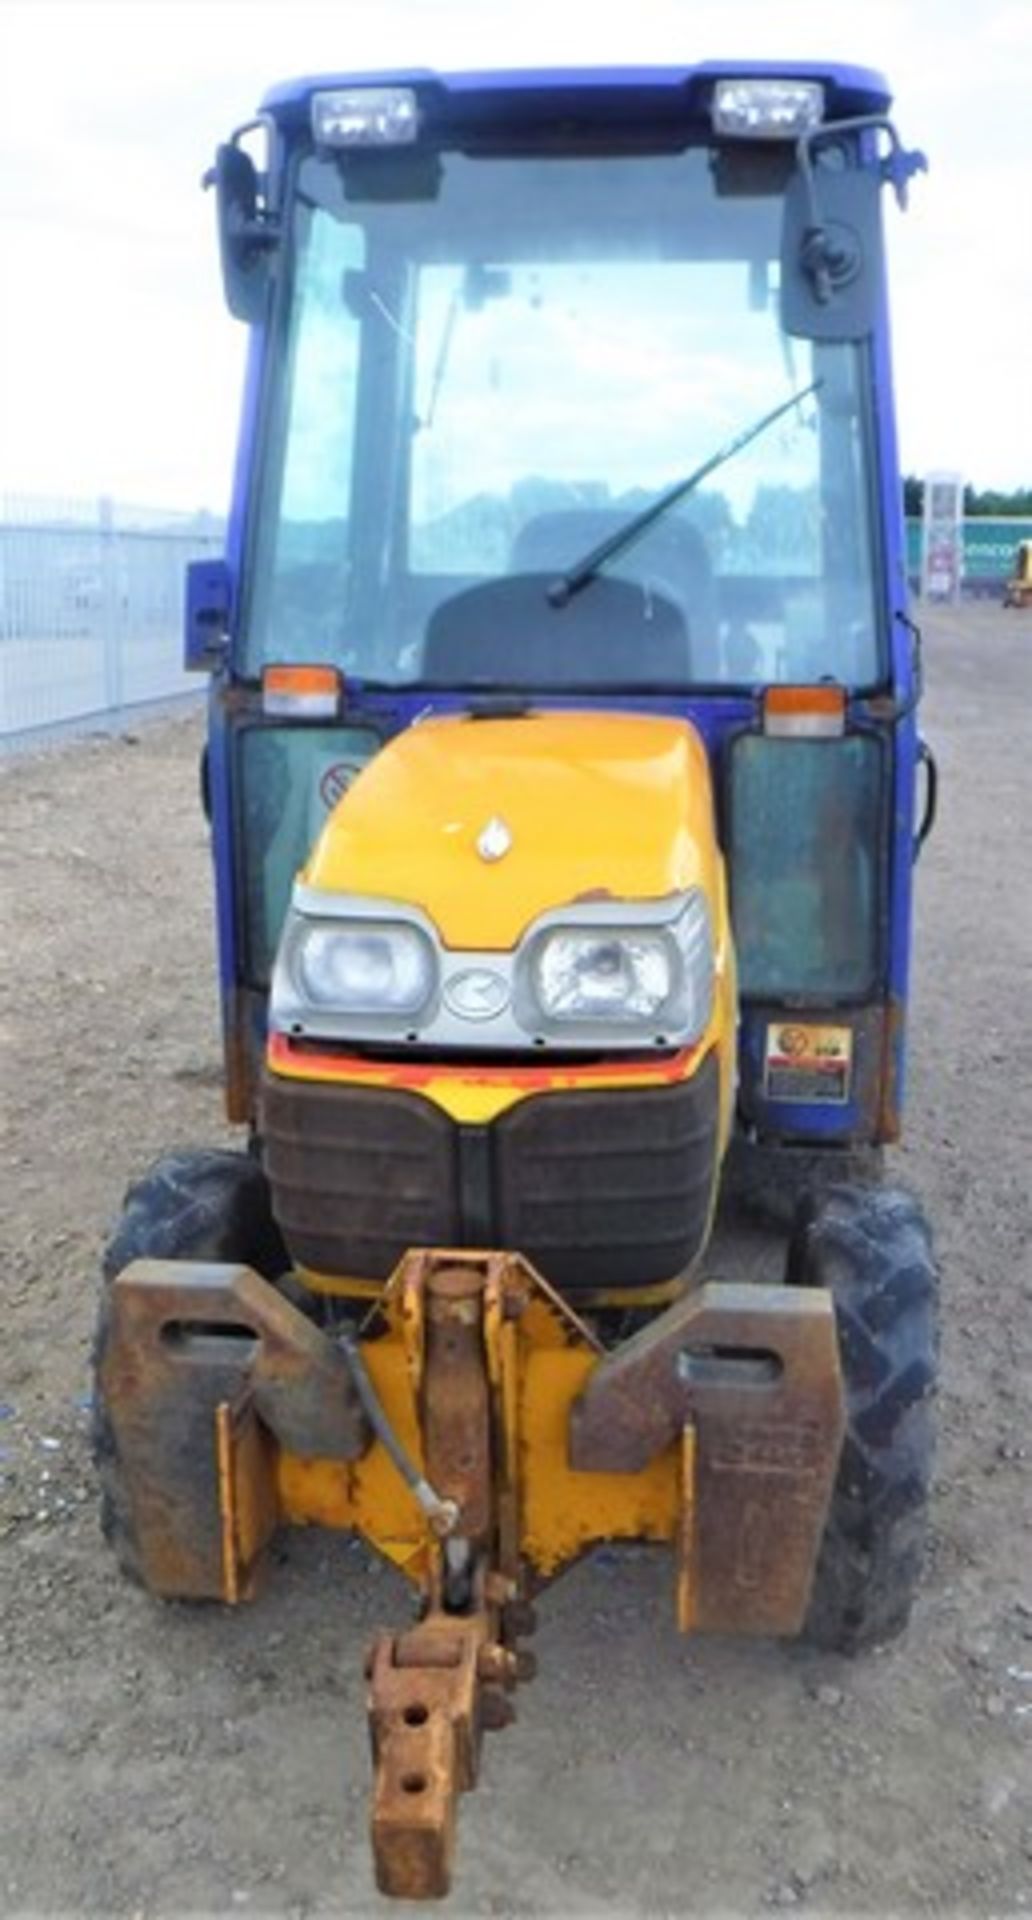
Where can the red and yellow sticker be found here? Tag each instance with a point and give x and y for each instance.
(808, 1063)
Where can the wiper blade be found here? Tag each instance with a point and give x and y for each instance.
(584, 571)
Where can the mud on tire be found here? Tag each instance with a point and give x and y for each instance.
(207, 1203)
(871, 1248)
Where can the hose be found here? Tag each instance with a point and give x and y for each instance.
(442, 1514)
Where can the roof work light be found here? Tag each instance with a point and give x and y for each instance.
(767, 109)
(365, 117)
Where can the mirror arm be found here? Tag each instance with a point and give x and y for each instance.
(265, 231)
(262, 232)
(897, 167)
(829, 266)
(261, 120)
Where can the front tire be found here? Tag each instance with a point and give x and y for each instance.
(203, 1203)
(871, 1248)
(768, 1181)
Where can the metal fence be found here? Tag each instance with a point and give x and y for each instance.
(91, 597)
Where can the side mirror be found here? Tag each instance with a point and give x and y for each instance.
(831, 254)
(206, 615)
(247, 234)
(831, 246)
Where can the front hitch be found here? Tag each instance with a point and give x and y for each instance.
(434, 1688)
(481, 1440)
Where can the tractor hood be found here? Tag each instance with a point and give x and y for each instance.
(487, 823)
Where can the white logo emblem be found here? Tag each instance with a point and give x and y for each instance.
(476, 994)
(494, 840)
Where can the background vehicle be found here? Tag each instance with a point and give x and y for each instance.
(560, 653)
(1019, 586)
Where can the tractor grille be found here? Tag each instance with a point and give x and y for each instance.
(599, 1189)
(358, 1175)
(609, 1189)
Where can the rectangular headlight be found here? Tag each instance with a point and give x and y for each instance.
(658, 978)
(365, 117)
(767, 109)
(600, 975)
(367, 969)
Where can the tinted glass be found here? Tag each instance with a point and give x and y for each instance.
(290, 778)
(805, 839)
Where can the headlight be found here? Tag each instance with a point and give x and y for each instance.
(659, 977)
(364, 968)
(601, 973)
(598, 976)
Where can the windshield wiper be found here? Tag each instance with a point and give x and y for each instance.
(582, 573)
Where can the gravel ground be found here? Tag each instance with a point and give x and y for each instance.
(166, 1759)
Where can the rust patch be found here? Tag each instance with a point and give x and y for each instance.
(424, 1724)
(248, 1505)
(889, 1126)
(239, 1072)
(456, 1410)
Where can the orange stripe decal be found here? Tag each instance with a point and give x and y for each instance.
(284, 1056)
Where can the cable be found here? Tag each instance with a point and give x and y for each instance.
(442, 1514)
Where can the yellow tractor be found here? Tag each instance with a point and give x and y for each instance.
(1018, 591)
(563, 820)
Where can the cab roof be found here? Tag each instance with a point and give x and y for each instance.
(681, 92)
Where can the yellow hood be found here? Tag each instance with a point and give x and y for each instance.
(594, 806)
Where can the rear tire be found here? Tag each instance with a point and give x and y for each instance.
(205, 1203)
(871, 1248)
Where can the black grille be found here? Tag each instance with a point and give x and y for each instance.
(609, 1189)
(598, 1189)
(358, 1175)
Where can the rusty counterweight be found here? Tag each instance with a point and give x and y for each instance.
(182, 1340)
(752, 1373)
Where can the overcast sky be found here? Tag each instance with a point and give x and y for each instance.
(119, 369)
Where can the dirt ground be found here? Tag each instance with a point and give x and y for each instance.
(159, 1760)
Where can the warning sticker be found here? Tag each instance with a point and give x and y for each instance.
(337, 779)
(808, 1063)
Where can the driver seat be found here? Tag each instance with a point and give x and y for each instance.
(505, 634)
(672, 557)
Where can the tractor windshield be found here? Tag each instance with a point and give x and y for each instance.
(481, 374)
